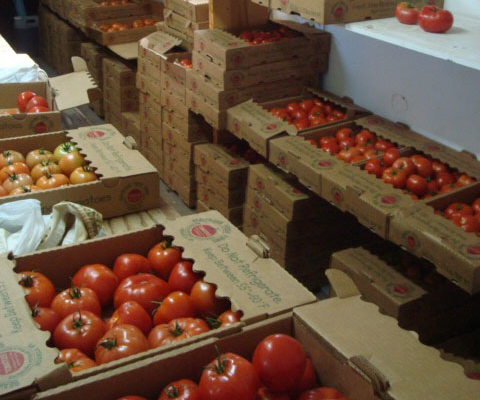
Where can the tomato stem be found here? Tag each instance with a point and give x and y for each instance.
(27, 281)
(77, 323)
(213, 323)
(75, 293)
(109, 343)
(177, 331)
(35, 310)
(172, 392)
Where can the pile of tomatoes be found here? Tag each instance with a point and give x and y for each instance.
(256, 37)
(309, 113)
(279, 370)
(41, 169)
(466, 216)
(157, 300)
(117, 26)
(115, 3)
(30, 102)
(353, 147)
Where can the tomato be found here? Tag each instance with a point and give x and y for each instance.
(131, 313)
(395, 177)
(82, 175)
(175, 331)
(315, 112)
(465, 180)
(406, 13)
(468, 223)
(40, 290)
(186, 63)
(347, 142)
(9, 157)
(365, 136)
(205, 301)
(306, 105)
(246, 36)
(292, 107)
(231, 377)
(265, 394)
(131, 264)
(100, 279)
(62, 149)
(183, 389)
(75, 360)
(444, 178)
(175, 305)
(71, 161)
(138, 23)
(364, 147)
(36, 101)
(321, 393)
(359, 158)
(280, 362)
(145, 289)
(315, 121)
(448, 188)
(432, 185)
(119, 342)
(308, 380)
(163, 257)
(75, 299)
(405, 164)
(373, 153)
(47, 318)
(131, 398)
(80, 330)
(229, 317)
(423, 165)
(455, 209)
(16, 180)
(182, 278)
(391, 155)
(332, 148)
(13, 169)
(416, 184)
(375, 167)
(52, 181)
(439, 167)
(338, 114)
(344, 133)
(347, 154)
(43, 168)
(301, 123)
(476, 206)
(35, 157)
(23, 99)
(383, 145)
(434, 19)
(23, 189)
(38, 109)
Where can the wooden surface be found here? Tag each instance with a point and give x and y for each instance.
(234, 15)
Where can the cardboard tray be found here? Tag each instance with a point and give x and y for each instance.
(193, 10)
(84, 12)
(181, 24)
(257, 286)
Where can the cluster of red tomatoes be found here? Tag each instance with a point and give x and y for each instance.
(353, 147)
(30, 102)
(430, 18)
(466, 216)
(309, 113)
(256, 37)
(41, 169)
(279, 370)
(186, 63)
(115, 3)
(117, 26)
(157, 300)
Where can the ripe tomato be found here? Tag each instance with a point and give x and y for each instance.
(344, 133)
(327, 140)
(391, 155)
(43, 168)
(365, 137)
(373, 153)
(439, 167)
(9, 157)
(405, 164)
(347, 154)
(265, 394)
(38, 109)
(465, 180)
(306, 105)
(444, 178)
(315, 121)
(468, 223)
(46, 318)
(375, 167)
(205, 301)
(395, 177)
(35, 157)
(316, 112)
(23, 189)
(62, 149)
(183, 389)
(186, 63)
(80, 330)
(229, 376)
(71, 161)
(40, 290)
(331, 148)
(119, 342)
(82, 175)
(75, 360)
(131, 398)
(145, 289)
(418, 185)
(175, 331)
(448, 188)
(182, 278)
(76, 299)
(321, 393)
(364, 147)
(347, 142)
(16, 180)
(406, 13)
(308, 380)
(301, 123)
(455, 209)
(434, 19)
(292, 107)
(13, 169)
(163, 257)
(138, 23)
(175, 305)
(131, 264)
(432, 186)
(423, 165)
(476, 206)
(383, 145)
(51, 181)
(36, 101)
(100, 279)
(23, 99)
(131, 313)
(280, 362)
(359, 158)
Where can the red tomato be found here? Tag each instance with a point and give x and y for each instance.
(468, 223)
(131, 398)
(231, 377)
(145, 289)
(395, 177)
(175, 305)
(23, 99)
(321, 393)
(227, 318)
(406, 13)
(38, 109)
(476, 206)
(8, 157)
(75, 360)
(432, 186)
(306, 105)
(46, 318)
(182, 278)
(327, 139)
(465, 180)
(131, 313)
(280, 362)
(40, 290)
(183, 389)
(359, 158)
(309, 379)
(76, 299)
(439, 167)
(423, 165)
(344, 133)
(186, 63)
(100, 279)
(391, 155)
(405, 164)
(365, 136)
(36, 101)
(364, 147)
(332, 148)
(444, 178)
(119, 342)
(418, 185)
(455, 209)
(80, 330)
(205, 301)
(175, 331)
(316, 112)
(347, 142)
(265, 394)
(347, 154)
(434, 19)
(315, 121)
(301, 123)
(448, 188)
(163, 258)
(383, 145)
(375, 167)
(373, 153)
(292, 107)
(131, 264)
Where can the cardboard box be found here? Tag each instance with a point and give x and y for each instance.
(463, 350)
(186, 42)
(256, 286)
(235, 196)
(217, 119)
(181, 24)
(213, 201)
(155, 45)
(192, 128)
(185, 188)
(193, 10)
(172, 86)
(218, 197)
(175, 103)
(334, 12)
(171, 66)
(147, 85)
(86, 12)
(115, 93)
(147, 68)
(232, 53)
(121, 72)
(131, 126)
(93, 54)
(128, 183)
(265, 73)
(173, 135)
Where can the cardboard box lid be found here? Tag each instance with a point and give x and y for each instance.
(393, 359)
(159, 42)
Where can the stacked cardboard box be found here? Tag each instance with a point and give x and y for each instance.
(221, 178)
(94, 54)
(228, 71)
(119, 91)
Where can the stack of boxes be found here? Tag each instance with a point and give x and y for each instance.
(221, 178)
(94, 54)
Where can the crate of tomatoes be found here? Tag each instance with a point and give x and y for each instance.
(327, 350)
(117, 300)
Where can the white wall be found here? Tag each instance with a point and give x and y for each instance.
(466, 7)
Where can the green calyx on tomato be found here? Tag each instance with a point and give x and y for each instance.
(77, 323)
(172, 392)
(75, 293)
(63, 149)
(108, 343)
(177, 331)
(213, 323)
(27, 281)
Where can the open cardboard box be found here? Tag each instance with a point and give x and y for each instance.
(340, 335)
(62, 92)
(83, 13)
(193, 10)
(181, 24)
(255, 285)
(127, 182)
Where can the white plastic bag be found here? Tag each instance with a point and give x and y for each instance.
(20, 68)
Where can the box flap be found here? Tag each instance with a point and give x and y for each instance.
(159, 42)
(373, 344)
(128, 51)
